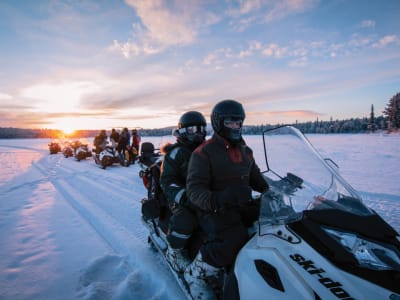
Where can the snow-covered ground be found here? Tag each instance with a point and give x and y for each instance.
(70, 230)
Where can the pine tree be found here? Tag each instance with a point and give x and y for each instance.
(392, 112)
(371, 122)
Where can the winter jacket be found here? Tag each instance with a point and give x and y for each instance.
(100, 142)
(174, 172)
(216, 165)
(124, 139)
(136, 140)
(115, 136)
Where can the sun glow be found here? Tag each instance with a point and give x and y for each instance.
(60, 97)
(67, 125)
(68, 131)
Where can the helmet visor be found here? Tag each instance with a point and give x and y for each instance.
(233, 123)
(193, 130)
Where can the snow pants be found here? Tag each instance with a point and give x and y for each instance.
(182, 224)
(225, 236)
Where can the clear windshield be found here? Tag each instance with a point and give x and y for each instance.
(300, 179)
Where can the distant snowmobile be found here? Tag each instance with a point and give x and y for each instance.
(107, 157)
(54, 147)
(315, 238)
(82, 152)
(67, 150)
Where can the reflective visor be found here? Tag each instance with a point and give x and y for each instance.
(193, 129)
(233, 122)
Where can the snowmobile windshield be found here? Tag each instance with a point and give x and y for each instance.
(300, 179)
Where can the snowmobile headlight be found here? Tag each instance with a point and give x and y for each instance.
(371, 255)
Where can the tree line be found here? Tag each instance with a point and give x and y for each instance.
(389, 121)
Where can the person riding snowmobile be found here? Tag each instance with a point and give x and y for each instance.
(221, 175)
(191, 132)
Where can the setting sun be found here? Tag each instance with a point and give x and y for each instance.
(68, 131)
(67, 125)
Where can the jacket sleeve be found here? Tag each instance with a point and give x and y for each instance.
(172, 177)
(198, 191)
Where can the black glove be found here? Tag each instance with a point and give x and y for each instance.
(232, 196)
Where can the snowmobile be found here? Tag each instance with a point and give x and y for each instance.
(154, 205)
(67, 150)
(82, 152)
(54, 147)
(107, 157)
(314, 238)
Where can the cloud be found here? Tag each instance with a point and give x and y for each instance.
(367, 23)
(281, 9)
(56, 96)
(164, 24)
(359, 41)
(245, 7)
(386, 40)
(253, 46)
(4, 96)
(217, 56)
(247, 12)
(299, 62)
(243, 23)
(273, 50)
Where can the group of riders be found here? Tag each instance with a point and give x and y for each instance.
(122, 142)
(208, 186)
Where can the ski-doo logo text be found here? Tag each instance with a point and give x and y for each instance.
(334, 286)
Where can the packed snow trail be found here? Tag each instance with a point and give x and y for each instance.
(105, 206)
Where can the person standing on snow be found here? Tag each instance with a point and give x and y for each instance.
(136, 139)
(221, 175)
(191, 133)
(123, 144)
(114, 137)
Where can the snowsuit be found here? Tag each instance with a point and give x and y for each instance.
(115, 136)
(219, 183)
(135, 144)
(123, 143)
(183, 221)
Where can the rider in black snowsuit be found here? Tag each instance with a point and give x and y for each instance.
(221, 176)
(123, 144)
(191, 132)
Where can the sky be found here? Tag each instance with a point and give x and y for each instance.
(70, 230)
(102, 64)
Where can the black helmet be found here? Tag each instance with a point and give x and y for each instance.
(191, 128)
(224, 110)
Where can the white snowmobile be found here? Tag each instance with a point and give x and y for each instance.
(107, 157)
(82, 152)
(315, 238)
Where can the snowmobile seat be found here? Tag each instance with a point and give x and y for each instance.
(148, 156)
